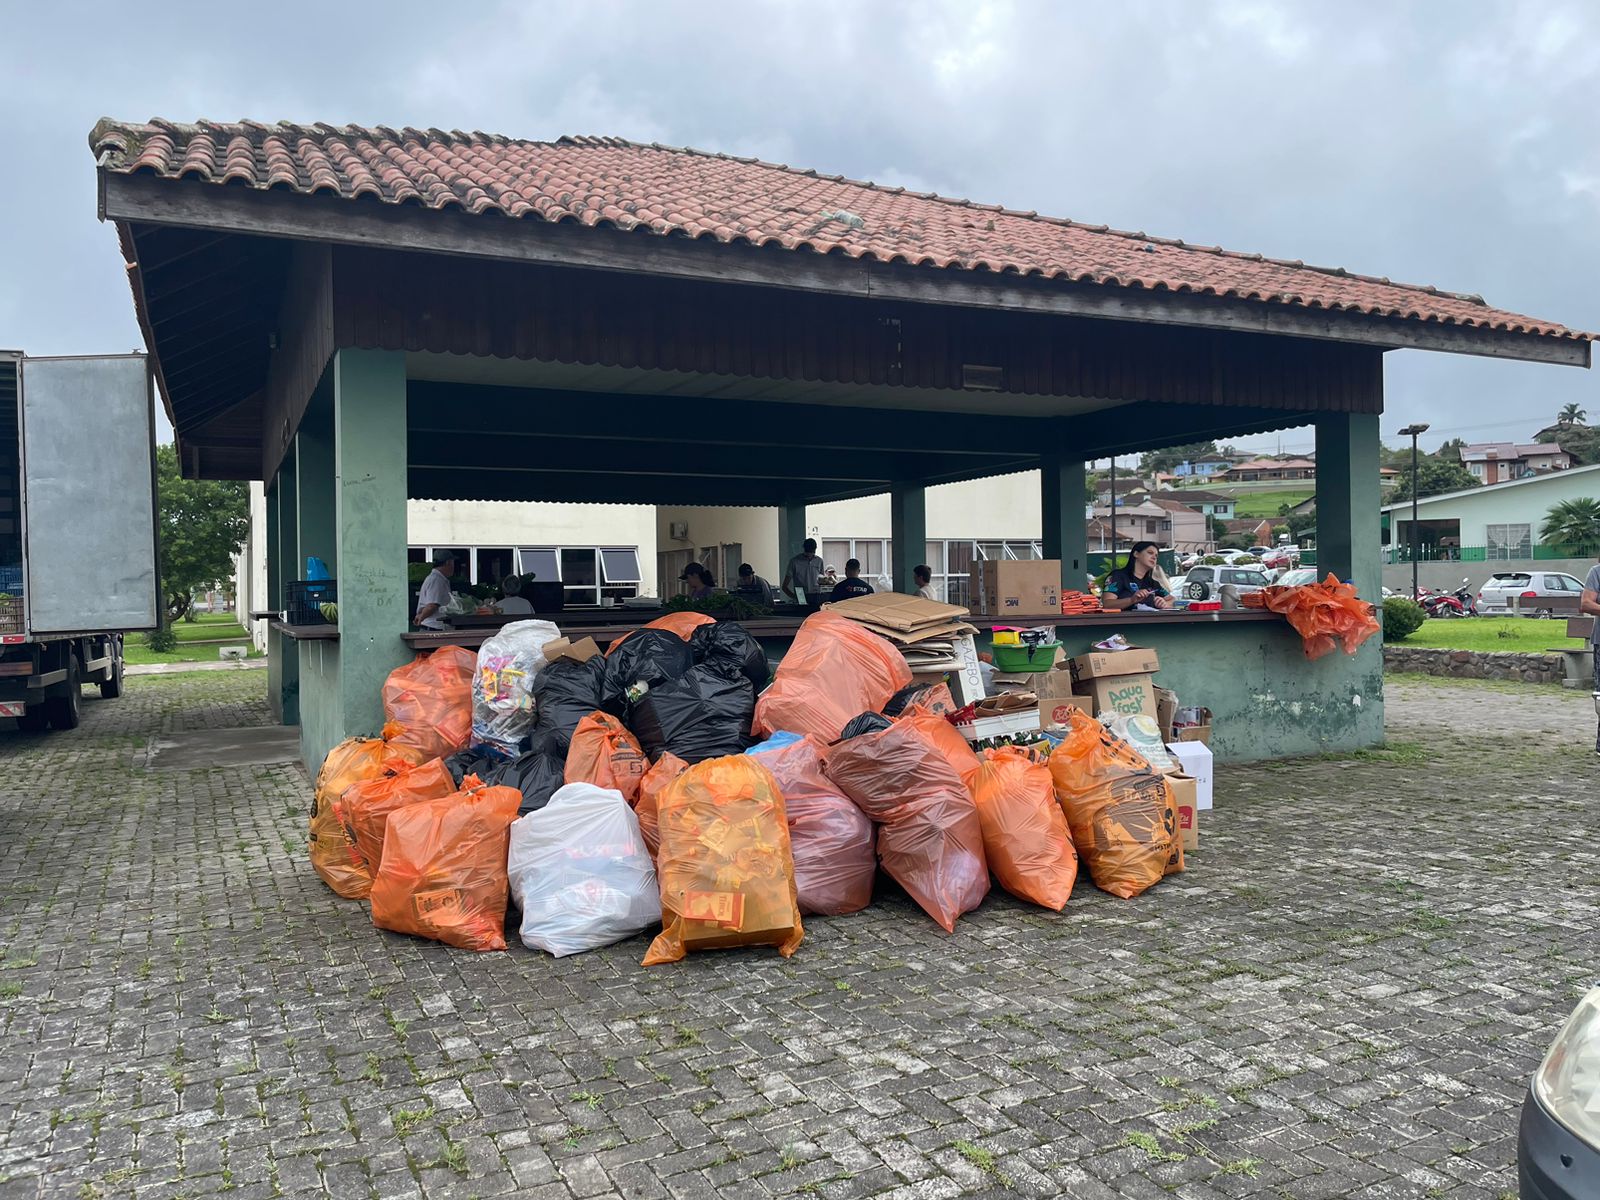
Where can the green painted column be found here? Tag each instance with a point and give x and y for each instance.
(314, 469)
(369, 427)
(908, 526)
(791, 533)
(1347, 500)
(283, 659)
(1063, 483)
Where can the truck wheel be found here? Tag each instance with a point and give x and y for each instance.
(65, 711)
(33, 719)
(112, 687)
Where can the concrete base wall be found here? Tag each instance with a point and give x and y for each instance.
(1447, 576)
(1472, 664)
(322, 721)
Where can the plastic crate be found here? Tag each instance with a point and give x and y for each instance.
(1012, 660)
(11, 580)
(303, 600)
(11, 615)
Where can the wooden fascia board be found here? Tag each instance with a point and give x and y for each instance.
(281, 213)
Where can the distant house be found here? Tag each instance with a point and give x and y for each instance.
(1262, 470)
(1388, 477)
(1257, 529)
(1493, 523)
(1098, 530)
(1201, 468)
(1165, 522)
(1127, 486)
(1208, 504)
(1498, 462)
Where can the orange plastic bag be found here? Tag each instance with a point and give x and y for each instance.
(667, 768)
(605, 754)
(726, 870)
(957, 751)
(333, 855)
(1025, 834)
(443, 874)
(432, 698)
(1122, 814)
(365, 807)
(834, 847)
(1326, 615)
(929, 839)
(681, 623)
(834, 671)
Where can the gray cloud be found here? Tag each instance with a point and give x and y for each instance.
(1451, 145)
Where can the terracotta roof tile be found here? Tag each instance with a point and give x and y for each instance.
(673, 191)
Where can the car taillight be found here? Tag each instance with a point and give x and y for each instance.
(1530, 595)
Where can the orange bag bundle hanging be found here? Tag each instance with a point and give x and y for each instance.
(432, 698)
(834, 847)
(929, 839)
(365, 807)
(681, 623)
(443, 874)
(605, 754)
(834, 671)
(1326, 615)
(725, 868)
(333, 855)
(667, 768)
(1122, 813)
(1025, 835)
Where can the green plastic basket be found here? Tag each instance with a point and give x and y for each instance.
(1014, 660)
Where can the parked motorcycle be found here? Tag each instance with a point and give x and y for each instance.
(1468, 602)
(1447, 604)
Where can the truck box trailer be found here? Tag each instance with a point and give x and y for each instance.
(77, 528)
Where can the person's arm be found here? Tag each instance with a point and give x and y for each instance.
(787, 583)
(1590, 603)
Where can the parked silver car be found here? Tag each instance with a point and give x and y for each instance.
(1538, 593)
(1202, 582)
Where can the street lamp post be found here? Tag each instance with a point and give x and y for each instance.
(1413, 432)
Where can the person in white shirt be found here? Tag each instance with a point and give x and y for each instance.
(923, 576)
(435, 593)
(513, 604)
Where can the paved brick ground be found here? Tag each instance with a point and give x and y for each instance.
(1344, 995)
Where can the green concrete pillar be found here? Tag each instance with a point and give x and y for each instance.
(908, 526)
(283, 660)
(1063, 483)
(791, 533)
(314, 471)
(369, 428)
(1347, 501)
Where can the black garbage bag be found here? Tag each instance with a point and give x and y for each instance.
(546, 740)
(702, 715)
(867, 722)
(473, 761)
(906, 697)
(728, 649)
(565, 692)
(649, 656)
(535, 775)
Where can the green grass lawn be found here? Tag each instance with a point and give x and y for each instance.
(208, 627)
(136, 653)
(1266, 504)
(1522, 635)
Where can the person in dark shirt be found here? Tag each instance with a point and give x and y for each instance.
(852, 584)
(752, 587)
(1140, 582)
(701, 582)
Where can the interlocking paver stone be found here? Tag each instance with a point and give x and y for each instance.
(1345, 994)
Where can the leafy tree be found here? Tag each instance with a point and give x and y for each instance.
(1570, 414)
(1572, 523)
(1434, 475)
(1299, 523)
(1217, 528)
(1235, 541)
(1580, 441)
(202, 525)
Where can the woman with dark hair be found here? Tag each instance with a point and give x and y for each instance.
(701, 584)
(1139, 583)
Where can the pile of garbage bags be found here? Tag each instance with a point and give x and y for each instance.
(607, 794)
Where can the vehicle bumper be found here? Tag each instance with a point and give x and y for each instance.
(1552, 1163)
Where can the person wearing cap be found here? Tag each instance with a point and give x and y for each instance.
(752, 587)
(802, 581)
(700, 581)
(852, 584)
(435, 593)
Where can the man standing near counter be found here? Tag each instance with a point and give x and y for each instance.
(435, 593)
(803, 580)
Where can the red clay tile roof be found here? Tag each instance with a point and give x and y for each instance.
(667, 190)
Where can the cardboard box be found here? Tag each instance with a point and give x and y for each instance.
(1196, 761)
(1166, 709)
(1184, 792)
(581, 650)
(1024, 588)
(1128, 694)
(1196, 733)
(1099, 664)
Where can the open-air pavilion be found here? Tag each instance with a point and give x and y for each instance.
(358, 316)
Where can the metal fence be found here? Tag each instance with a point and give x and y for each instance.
(1539, 553)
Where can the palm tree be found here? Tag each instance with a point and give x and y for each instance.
(1574, 523)
(1571, 414)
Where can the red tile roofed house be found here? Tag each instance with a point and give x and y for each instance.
(1261, 470)
(490, 319)
(1497, 462)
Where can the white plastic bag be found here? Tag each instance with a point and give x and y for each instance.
(502, 685)
(580, 872)
(1143, 734)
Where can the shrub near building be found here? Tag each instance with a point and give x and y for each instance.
(1401, 618)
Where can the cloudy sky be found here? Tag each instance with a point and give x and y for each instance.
(1445, 143)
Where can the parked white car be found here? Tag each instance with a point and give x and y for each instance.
(1202, 582)
(1537, 593)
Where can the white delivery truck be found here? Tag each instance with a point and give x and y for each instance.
(77, 528)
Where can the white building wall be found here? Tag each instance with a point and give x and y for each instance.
(1521, 503)
(250, 571)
